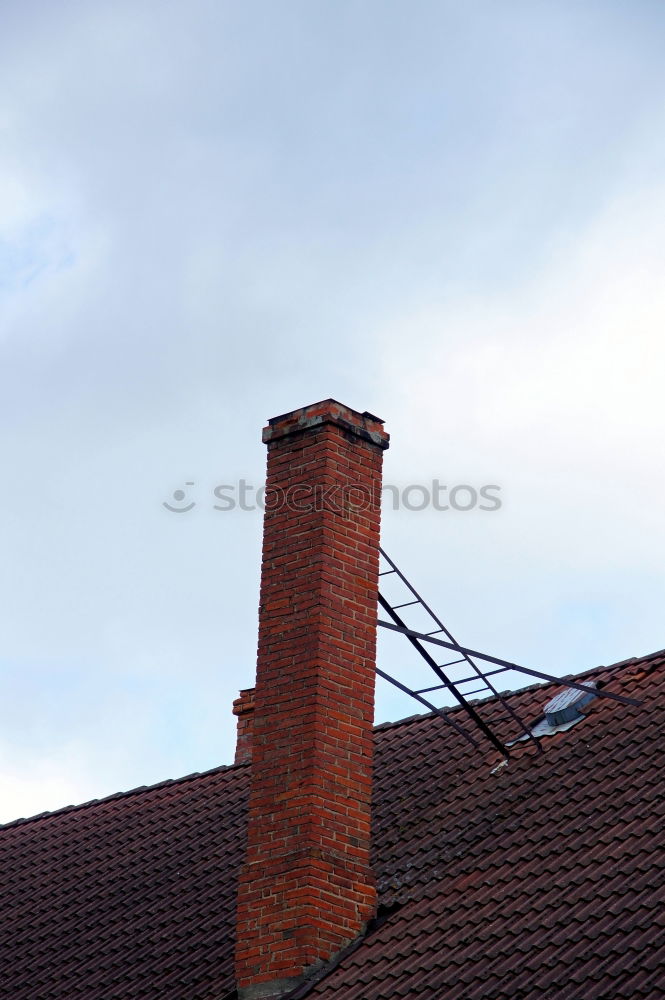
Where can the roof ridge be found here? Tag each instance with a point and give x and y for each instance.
(164, 783)
(381, 727)
(448, 709)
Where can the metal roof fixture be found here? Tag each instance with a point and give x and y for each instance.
(567, 704)
(561, 712)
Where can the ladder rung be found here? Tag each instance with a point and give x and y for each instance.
(434, 632)
(387, 572)
(475, 677)
(437, 687)
(407, 604)
(462, 659)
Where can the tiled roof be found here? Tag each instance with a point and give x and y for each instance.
(129, 897)
(544, 878)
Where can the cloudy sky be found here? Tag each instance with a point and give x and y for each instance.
(450, 214)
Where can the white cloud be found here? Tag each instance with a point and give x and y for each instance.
(568, 366)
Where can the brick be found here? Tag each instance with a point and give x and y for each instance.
(313, 703)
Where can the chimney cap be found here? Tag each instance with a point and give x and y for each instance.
(328, 411)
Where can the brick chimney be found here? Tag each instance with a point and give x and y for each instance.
(243, 709)
(306, 889)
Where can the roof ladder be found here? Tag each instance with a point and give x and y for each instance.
(440, 637)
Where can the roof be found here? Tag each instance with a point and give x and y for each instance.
(543, 878)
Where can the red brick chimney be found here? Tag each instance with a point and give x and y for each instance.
(243, 709)
(306, 889)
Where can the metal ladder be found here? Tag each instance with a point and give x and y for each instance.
(433, 639)
(456, 688)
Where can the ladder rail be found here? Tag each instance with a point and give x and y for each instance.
(482, 725)
(564, 681)
(428, 704)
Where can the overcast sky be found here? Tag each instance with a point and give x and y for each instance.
(450, 214)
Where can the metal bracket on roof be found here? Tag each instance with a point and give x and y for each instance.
(457, 687)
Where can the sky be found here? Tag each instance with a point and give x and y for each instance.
(211, 213)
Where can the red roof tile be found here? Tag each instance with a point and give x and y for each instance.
(128, 897)
(544, 878)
